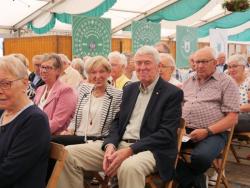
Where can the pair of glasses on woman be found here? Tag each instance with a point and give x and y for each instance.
(6, 84)
(46, 68)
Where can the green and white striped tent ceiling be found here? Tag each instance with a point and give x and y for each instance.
(29, 17)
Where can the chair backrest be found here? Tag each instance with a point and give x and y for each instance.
(58, 153)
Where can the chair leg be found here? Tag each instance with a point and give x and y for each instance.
(234, 154)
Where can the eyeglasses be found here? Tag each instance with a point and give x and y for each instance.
(203, 62)
(233, 66)
(7, 84)
(46, 68)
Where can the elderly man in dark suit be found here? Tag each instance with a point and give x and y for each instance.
(143, 135)
(35, 77)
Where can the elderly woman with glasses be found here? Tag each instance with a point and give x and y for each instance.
(97, 105)
(237, 70)
(166, 68)
(24, 130)
(55, 98)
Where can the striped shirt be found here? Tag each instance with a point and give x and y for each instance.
(207, 103)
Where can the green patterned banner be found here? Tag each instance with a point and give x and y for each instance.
(91, 36)
(145, 33)
(186, 44)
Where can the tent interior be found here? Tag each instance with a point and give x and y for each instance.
(32, 17)
(28, 18)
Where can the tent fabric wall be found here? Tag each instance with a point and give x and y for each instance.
(243, 36)
(229, 21)
(177, 11)
(67, 18)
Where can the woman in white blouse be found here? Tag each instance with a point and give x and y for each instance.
(97, 105)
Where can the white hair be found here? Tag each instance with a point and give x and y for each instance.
(14, 66)
(64, 58)
(150, 50)
(240, 59)
(118, 56)
(168, 58)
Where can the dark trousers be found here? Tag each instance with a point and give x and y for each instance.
(243, 123)
(202, 155)
(68, 139)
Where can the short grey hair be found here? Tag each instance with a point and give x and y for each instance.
(64, 59)
(38, 58)
(149, 50)
(14, 66)
(164, 46)
(240, 59)
(22, 58)
(80, 62)
(57, 61)
(120, 57)
(96, 62)
(168, 58)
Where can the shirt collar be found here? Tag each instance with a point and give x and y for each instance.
(215, 76)
(150, 88)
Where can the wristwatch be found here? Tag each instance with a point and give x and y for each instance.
(209, 132)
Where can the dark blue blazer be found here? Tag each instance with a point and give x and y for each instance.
(159, 125)
(24, 150)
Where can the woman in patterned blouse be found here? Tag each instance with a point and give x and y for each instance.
(237, 70)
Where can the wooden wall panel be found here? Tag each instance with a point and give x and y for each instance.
(126, 45)
(116, 45)
(30, 46)
(64, 45)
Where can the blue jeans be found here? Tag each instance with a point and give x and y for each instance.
(202, 155)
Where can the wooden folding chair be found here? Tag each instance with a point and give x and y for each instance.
(150, 178)
(223, 155)
(58, 153)
(238, 141)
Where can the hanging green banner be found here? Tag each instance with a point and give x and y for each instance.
(145, 33)
(186, 44)
(91, 36)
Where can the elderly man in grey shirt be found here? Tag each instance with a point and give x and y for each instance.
(211, 106)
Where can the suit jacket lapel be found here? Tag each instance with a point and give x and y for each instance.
(53, 92)
(154, 97)
(131, 104)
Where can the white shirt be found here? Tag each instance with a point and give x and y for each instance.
(91, 126)
(133, 128)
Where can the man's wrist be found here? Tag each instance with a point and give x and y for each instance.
(109, 145)
(209, 132)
